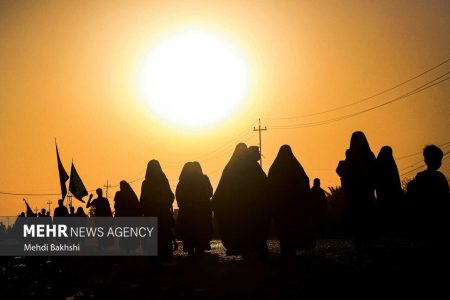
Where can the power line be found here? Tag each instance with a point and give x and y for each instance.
(243, 136)
(245, 139)
(364, 99)
(130, 182)
(420, 152)
(230, 143)
(415, 91)
(29, 194)
(420, 162)
(401, 97)
(332, 120)
(415, 169)
(213, 154)
(422, 166)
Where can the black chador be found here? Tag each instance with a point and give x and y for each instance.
(194, 222)
(289, 192)
(358, 176)
(156, 201)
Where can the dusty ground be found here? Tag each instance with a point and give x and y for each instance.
(332, 269)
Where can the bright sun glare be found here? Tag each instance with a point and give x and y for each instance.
(194, 79)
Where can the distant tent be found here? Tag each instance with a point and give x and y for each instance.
(76, 186)
(63, 177)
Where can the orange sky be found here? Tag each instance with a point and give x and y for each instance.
(68, 70)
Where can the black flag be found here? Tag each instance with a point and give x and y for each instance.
(76, 186)
(63, 177)
(30, 212)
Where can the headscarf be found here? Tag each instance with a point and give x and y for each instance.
(287, 170)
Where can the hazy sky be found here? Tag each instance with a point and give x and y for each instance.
(69, 70)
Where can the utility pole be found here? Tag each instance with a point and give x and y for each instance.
(49, 203)
(259, 129)
(107, 186)
(69, 199)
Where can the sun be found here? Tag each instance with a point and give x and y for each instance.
(194, 78)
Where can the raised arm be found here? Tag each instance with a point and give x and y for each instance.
(89, 204)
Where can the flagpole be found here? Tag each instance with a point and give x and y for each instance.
(63, 176)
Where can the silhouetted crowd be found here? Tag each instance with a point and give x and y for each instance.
(248, 203)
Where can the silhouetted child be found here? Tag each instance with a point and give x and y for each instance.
(319, 202)
(429, 194)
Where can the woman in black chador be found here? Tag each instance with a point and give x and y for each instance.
(228, 199)
(156, 201)
(289, 194)
(126, 203)
(358, 174)
(389, 193)
(193, 194)
(236, 202)
(257, 208)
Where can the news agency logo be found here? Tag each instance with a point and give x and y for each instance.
(80, 236)
(61, 230)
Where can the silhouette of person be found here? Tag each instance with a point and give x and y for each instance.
(126, 203)
(102, 208)
(389, 193)
(319, 201)
(358, 175)
(193, 194)
(342, 169)
(207, 209)
(429, 193)
(101, 204)
(256, 209)
(80, 212)
(228, 199)
(43, 212)
(72, 211)
(61, 210)
(156, 201)
(289, 193)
